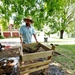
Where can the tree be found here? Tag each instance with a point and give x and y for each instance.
(61, 14)
(41, 11)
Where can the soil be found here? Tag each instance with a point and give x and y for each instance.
(10, 52)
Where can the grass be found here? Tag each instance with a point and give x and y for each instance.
(67, 59)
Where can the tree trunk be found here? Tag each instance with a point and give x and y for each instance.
(61, 34)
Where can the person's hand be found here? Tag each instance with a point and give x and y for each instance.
(36, 41)
(21, 42)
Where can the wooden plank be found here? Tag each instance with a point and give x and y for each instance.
(36, 55)
(35, 44)
(33, 47)
(44, 47)
(21, 50)
(33, 70)
(28, 45)
(34, 64)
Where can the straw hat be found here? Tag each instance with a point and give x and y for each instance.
(28, 18)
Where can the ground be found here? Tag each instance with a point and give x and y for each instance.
(66, 59)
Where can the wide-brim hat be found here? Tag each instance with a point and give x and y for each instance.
(28, 18)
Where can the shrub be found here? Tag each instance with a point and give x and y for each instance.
(1, 37)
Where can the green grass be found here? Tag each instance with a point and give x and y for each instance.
(68, 60)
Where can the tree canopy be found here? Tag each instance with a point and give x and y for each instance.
(56, 14)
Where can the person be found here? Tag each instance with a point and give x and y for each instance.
(26, 31)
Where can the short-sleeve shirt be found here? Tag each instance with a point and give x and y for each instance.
(27, 33)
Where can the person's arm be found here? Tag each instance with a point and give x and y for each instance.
(20, 38)
(20, 34)
(35, 38)
(34, 34)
